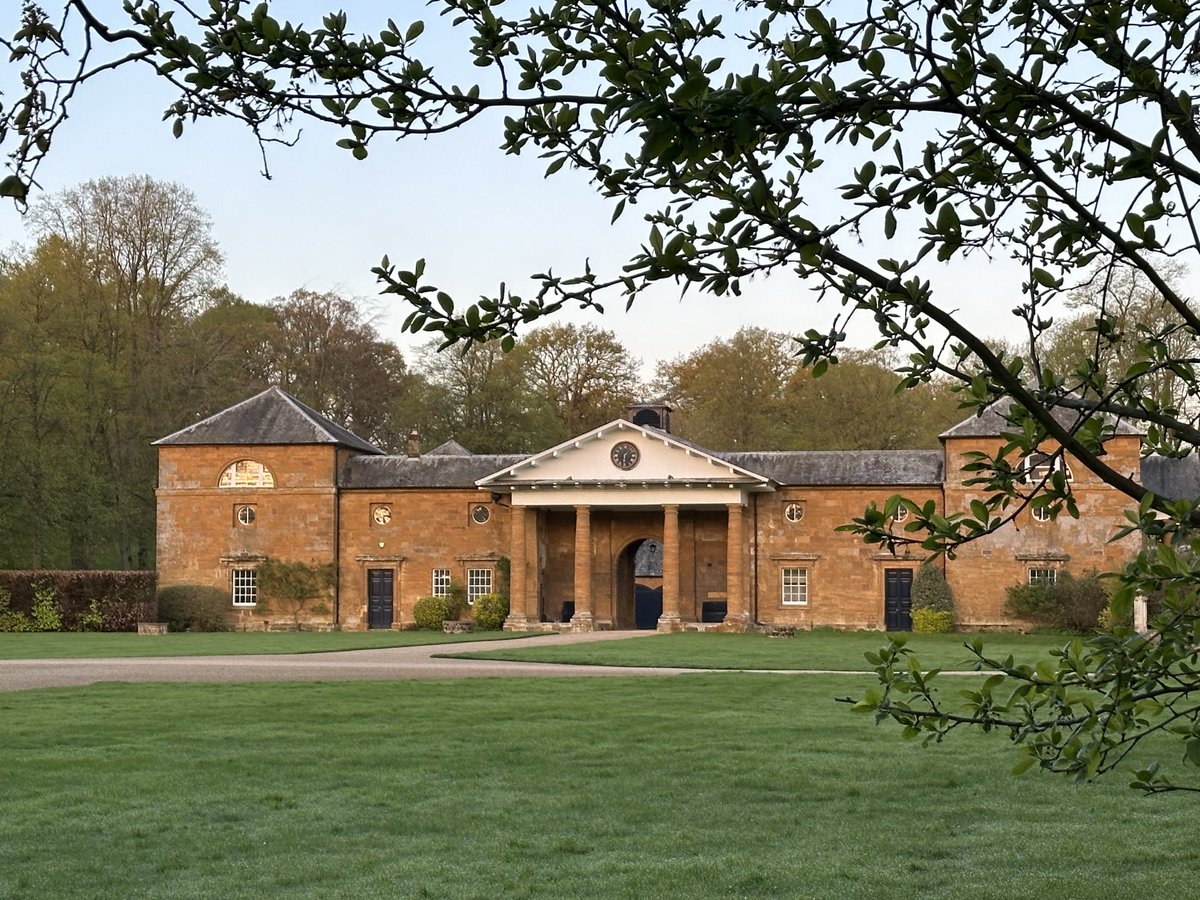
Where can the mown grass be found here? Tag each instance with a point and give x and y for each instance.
(701, 786)
(88, 645)
(821, 649)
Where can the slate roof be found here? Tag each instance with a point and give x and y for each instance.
(272, 417)
(422, 471)
(844, 467)
(991, 422)
(1175, 479)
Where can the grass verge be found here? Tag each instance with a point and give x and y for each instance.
(88, 645)
(699, 786)
(833, 650)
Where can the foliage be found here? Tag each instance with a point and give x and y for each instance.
(734, 393)
(503, 576)
(71, 601)
(869, 155)
(296, 589)
(1070, 603)
(930, 590)
(430, 612)
(45, 615)
(11, 621)
(932, 621)
(194, 607)
(489, 612)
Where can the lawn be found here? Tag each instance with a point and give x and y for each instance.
(821, 649)
(699, 786)
(58, 645)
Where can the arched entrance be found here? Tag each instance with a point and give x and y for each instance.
(638, 593)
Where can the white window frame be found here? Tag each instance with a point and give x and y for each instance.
(1038, 467)
(1041, 514)
(1043, 575)
(246, 473)
(440, 582)
(479, 582)
(793, 512)
(244, 583)
(793, 586)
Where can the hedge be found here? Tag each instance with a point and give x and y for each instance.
(76, 600)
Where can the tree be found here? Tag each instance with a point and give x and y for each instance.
(855, 406)
(326, 352)
(734, 393)
(1059, 133)
(583, 372)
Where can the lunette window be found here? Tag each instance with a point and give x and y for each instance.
(246, 473)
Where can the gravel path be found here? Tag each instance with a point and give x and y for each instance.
(396, 663)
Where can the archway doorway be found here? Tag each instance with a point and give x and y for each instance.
(639, 585)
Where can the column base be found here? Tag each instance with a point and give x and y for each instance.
(669, 623)
(738, 623)
(583, 622)
(516, 623)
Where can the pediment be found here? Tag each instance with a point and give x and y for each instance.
(660, 459)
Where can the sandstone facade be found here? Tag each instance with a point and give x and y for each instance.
(747, 539)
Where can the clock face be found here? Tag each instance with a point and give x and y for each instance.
(382, 515)
(625, 455)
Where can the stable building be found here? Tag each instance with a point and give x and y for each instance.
(625, 526)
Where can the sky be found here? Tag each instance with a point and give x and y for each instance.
(477, 216)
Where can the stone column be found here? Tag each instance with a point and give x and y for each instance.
(736, 613)
(584, 618)
(669, 620)
(518, 585)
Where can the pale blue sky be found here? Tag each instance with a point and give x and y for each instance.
(477, 216)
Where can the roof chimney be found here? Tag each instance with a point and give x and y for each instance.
(412, 444)
(650, 415)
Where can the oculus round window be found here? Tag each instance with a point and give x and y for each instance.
(246, 515)
(480, 514)
(901, 514)
(625, 455)
(793, 512)
(1041, 514)
(382, 515)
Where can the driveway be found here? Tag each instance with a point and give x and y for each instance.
(395, 663)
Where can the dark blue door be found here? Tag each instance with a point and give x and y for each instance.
(379, 598)
(897, 599)
(647, 607)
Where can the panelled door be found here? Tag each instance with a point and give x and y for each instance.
(380, 584)
(897, 599)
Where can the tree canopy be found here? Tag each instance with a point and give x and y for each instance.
(860, 146)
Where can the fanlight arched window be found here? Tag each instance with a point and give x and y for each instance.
(247, 473)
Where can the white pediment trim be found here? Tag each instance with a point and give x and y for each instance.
(584, 460)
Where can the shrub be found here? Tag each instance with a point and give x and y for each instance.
(1073, 604)
(122, 599)
(489, 612)
(45, 615)
(430, 612)
(457, 598)
(193, 607)
(930, 590)
(932, 621)
(10, 620)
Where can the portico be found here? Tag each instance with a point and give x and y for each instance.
(614, 487)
